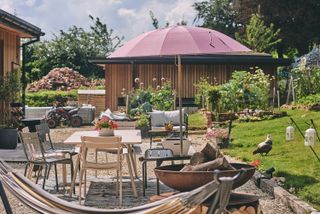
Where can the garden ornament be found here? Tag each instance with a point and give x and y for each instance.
(289, 133)
(309, 136)
(264, 147)
(314, 152)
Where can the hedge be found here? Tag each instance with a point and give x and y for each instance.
(48, 98)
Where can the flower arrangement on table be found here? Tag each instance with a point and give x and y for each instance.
(217, 135)
(105, 126)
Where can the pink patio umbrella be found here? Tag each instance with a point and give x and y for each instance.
(179, 41)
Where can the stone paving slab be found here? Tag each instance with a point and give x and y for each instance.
(13, 155)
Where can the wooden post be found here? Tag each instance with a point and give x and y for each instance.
(273, 97)
(278, 94)
(127, 104)
(180, 102)
(292, 88)
(174, 100)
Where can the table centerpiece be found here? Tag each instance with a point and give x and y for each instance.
(106, 126)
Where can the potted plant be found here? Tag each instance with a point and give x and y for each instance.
(106, 126)
(143, 124)
(9, 91)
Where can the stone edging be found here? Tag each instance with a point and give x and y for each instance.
(272, 188)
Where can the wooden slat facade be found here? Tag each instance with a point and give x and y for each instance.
(119, 76)
(9, 53)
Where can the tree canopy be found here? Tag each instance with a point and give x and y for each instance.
(219, 15)
(258, 36)
(298, 20)
(72, 48)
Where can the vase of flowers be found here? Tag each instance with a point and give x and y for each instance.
(105, 126)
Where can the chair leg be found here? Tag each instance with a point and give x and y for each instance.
(72, 173)
(29, 173)
(25, 169)
(80, 184)
(117, 182)
(85, 184)
(143, 179)
(48, 173)
(56, 176)
(120, 194)
(45, 177)
(39, 171)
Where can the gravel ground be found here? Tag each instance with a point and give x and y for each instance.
(268, 204)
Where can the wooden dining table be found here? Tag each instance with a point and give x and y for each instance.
(129, 138)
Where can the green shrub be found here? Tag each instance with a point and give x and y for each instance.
(143, 121)
(246, 90)
(162, 99)
(48, 98)
(310, 99)
(306, 80)
(203, 87)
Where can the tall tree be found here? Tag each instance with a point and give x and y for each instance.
(219, 15)
(258, 36)
(72, 48)
(299, 21)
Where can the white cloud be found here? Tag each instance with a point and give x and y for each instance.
(128, 18)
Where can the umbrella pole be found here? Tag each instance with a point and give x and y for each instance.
(180, 103)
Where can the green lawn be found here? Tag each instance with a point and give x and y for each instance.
(291, 160)
(197, 121)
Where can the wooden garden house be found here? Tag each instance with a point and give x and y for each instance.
(204, 53)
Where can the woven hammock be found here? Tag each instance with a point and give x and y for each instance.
(43, 202)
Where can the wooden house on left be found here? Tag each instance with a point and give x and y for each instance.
(15, 35)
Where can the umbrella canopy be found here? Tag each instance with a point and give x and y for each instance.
(179, 40)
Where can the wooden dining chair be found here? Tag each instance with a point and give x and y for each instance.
(106, 144)
(36, 156)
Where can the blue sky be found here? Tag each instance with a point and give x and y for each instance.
(128, 18)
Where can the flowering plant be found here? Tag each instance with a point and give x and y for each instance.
(105, 122)
(255, 163)
(216, 133)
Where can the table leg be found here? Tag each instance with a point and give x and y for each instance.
(133, 161)
(134, 189)
(76, 169)
(64, 173)
(150, 140)
(158, 184)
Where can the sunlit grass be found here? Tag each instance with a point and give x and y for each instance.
(291, 159)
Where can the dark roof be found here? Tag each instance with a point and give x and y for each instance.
(198, 59)
(19, 24)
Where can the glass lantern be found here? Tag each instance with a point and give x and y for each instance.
(289, 133)
(309, 137)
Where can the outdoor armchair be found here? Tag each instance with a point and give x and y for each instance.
(44, 135)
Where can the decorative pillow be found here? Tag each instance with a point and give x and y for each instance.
(157, 118)
(107, 113)
(174, 116)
